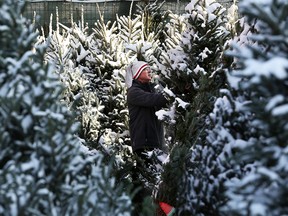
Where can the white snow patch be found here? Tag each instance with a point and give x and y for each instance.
(258, 209)
(276, 67)
(168, 92)
(264, 171)
(199, 69)
(181, 103)
(274, 101)
(204, 53)
(26, 122)
(280, 110)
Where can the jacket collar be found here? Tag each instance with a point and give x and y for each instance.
(145, 86)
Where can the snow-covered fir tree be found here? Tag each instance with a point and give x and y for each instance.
(261, 80)
(90, 67)
(194, 71)
(44, 168)
(172, 31)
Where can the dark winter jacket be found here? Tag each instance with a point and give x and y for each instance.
(146, 131)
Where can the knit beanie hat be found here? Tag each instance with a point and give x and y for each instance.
(133, 71)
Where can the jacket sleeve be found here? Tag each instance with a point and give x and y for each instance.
(139, 97)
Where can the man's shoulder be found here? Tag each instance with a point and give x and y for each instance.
(137, 85)
(134, 88)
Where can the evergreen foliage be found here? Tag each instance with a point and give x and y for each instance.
(172, 31)
(153, 19)
(195, 70)
(262, 74)
(91, 66)
(139, 43)
(44, 169)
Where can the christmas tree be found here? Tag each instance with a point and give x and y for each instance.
(261, 81)
(194, 70)
(44, 168)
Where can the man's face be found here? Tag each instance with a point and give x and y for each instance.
(145, 75)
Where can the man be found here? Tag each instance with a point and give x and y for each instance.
(146, 131)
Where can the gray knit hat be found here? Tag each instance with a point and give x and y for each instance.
(134, 70)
